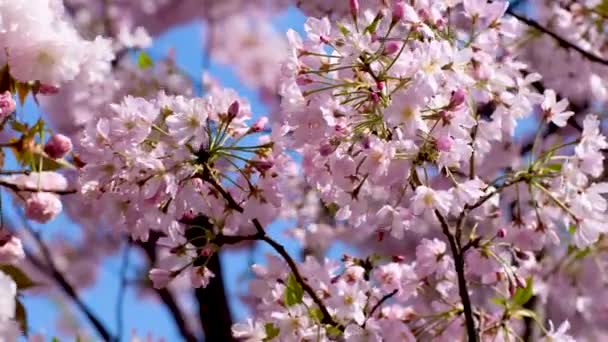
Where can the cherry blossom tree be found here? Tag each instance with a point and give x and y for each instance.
(400, 128)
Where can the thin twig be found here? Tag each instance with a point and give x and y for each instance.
(52, 271)
(179, 318)
(379, 304)
(20, 188)
(563, 42)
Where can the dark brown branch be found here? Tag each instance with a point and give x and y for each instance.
(49, 268)
(261, 234)
(563, 42)
(462, 282)
(165, 295)
(214, 311)
(379, 304)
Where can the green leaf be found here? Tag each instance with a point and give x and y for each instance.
(602, 8)
(271, 331)
(371, 28)
(294, 291)
(555, 167)
(572, 229)
(524, 313)
(22, 280)
(523, 295)
(144, 61)
(499, 301)
(19, 127)
(21, 317)
(333, 332)
(343, 30)
(55, 339)
(316, 314)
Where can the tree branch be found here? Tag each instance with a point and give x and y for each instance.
(261, 235)
(563, 42)
(19, 188)
(48, 267)
(214, 311)
(462, 283)
(165, 295)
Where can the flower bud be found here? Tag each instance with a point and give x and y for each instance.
(302, 81)
(398, 11)
(354, 7)
(398, 258)
(58, 146)
(46, 89)
(458, 98)
(262, 165)
(445, 143)
(374, 97)
(7, 105)
(42, 206)
(234, 109)
(502, 233)
(259, 125)
(391, 48)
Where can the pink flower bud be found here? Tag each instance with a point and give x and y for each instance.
(46, 89)
(398, 10)
(302, 81)
(58, 146)
(502, 233)
(440, 23)
(7, 105)
(259, 125)
(160, 277)
(423, 14)
(262, 165)
(42, 206)
(445, 143)
(398, 258)
(354, 7)
(234, 109)
(11, 249)
(374, 97)
(380, 85)
(391, 48)
(458, 98)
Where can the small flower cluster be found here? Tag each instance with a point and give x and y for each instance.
(186, 167)
(39, 44)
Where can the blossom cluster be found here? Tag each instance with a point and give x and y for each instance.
(39, 44)
(394, 126)
(183, 167)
